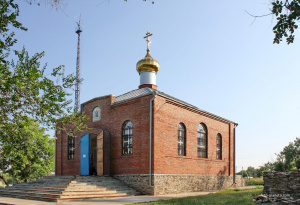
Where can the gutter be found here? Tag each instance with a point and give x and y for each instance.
(150, 136)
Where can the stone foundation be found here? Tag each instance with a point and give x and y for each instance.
(172, 184)
(284, 184)
(139, 182)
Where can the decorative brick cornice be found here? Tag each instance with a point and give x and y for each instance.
(154, 87)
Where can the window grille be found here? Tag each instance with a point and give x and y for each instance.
(202, 141)
(71, 147)
(219, 147)
(181, 139)
(127, 138)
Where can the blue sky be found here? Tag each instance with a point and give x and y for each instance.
(211, 53)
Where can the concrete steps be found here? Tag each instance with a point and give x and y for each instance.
(58, 188)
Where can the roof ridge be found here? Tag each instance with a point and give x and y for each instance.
(133, 94)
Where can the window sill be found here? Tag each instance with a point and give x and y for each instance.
(70, 160)
(126, 156)
(130, 155)
(180, 156)
(196, 158)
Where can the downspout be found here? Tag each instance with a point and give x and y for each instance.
(229, 153)
(61, 153)
(150, 131)
(234, 171)
(55, 153)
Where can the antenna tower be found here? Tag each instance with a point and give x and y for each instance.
(77, 88)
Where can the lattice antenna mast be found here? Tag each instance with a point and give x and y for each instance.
(77, 88)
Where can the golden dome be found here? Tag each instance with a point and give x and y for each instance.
(147, 64)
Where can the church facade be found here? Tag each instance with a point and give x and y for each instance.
(152, 141)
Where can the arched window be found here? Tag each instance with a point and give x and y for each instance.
(96, 114)
(202, 141)
(181, 139)
(71, 147)
(219, 147)
(127, 138)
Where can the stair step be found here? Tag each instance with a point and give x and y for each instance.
(33, 195)
(95, 184)
(95, 181)
(35, 198)
(97, 188)
(32, 190)
(69, 188)
(40, 185)
(89, 193)
(36, 188)
(93, 196)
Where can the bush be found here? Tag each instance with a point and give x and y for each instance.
(10, 181)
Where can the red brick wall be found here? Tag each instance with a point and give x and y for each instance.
(137, 112)
(112, 120)
(58, 153)
(63, 165)
(166, 159)
(106, 153)
(167, 116)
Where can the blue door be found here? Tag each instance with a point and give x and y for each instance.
(84, 158)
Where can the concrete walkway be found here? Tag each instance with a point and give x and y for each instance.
(110, 201)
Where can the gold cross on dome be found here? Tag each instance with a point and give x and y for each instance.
(148, 34)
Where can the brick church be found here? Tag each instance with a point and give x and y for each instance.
(151, 141)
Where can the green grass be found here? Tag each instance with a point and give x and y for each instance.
(256, 181)
(231, 197)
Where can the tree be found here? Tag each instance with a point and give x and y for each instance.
(289, 158)
(288, 15)
(59, 3)
(260, 171)
(251, 171)
(27, 92)
(8, 14)
(28, 153)
(25, 89)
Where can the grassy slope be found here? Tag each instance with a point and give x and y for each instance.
(231, 197)
(256, 181)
